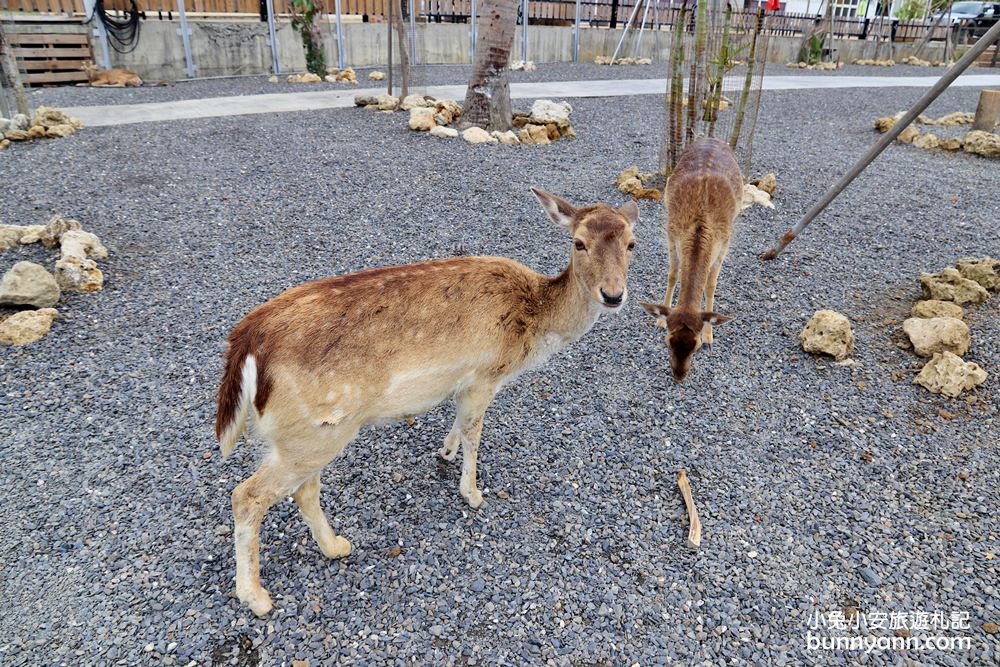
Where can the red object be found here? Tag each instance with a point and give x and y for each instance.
(774, 5)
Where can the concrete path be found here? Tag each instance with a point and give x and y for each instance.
(95, 116)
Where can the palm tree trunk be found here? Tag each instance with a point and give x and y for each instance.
(487, 100)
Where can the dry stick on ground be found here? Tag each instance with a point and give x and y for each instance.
(694, 533)
(970, 57)
(987, 111)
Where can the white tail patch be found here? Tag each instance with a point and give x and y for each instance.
(248, 389)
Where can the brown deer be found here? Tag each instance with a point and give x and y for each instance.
(111, 78)
(703, 195)
(323, 359)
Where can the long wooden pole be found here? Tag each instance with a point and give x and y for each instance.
(987, 111)
(942, 84)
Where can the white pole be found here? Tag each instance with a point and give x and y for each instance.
(628, 23)
(472, 34)
(340, 36)
(576, 34)
(99, 32)
(185, 32)
(642, 26)
(272, 37)
(524, 31)
(413, 32)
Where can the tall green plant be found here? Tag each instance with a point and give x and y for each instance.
(305, 19)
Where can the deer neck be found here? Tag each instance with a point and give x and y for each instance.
(695, 267)
(566, 310)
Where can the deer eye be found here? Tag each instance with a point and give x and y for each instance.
(631, 246)
(580, 245)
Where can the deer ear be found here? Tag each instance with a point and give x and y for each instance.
(656, 309)
(631, 211)
(715, 319)
(558, 209)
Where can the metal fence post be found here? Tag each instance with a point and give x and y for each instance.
(272, 38)
(340, 36)
(185, 32)
(576, 34)
(100, 32)
(524, 30)
(472, 33)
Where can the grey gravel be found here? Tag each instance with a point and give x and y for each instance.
(116, 504)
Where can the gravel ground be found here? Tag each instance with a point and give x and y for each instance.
(427, 75)
(820, 486)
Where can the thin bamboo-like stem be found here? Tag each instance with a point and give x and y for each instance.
(734, 138)
(694, 93)
(714, 100)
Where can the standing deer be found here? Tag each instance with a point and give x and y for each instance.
(703, 196)
(323, 359)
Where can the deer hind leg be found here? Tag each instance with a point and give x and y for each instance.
(307, 498)
(471, 407)
(251, 500)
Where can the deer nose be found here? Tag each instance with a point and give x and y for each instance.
(612, 299)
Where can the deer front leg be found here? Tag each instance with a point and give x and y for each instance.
(713, 278)
(672, 271)
(451, 442)
(472, 404)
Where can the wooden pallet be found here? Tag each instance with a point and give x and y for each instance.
(51, 58)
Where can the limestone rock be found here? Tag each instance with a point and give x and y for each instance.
(443, 132)
(305, 77)
(828, 332)
(982, 143)
(75, 271)
(544, 112)
(386, 102)
(272, 79)
(446, 111)
(985, 271)
(915, 61)
(21, 121)
(752, 195)
(534, 134)
(376, 76)
(52, 232)
(908, 135)
(16, 135)
(27, 326)
(413, 101)
(632, 180)
(523, 66)
(4, 143)
(36, 132)
(345, 75)
(935, 308)
(953, 144)
(365, 100)
(937, 334)
(767, 183)
(643, 61)
(957, 118)
(886, 122)
(47, 117)
(28, 284)
(602, 60)
(477, 135)
(949, 285)
(947, 374)
(507, 137)
(568, 132)
(928, 140)
(422, 119)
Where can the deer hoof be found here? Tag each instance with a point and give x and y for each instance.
(258, 600)
(450, 449)
(475, 498)
(337, 548)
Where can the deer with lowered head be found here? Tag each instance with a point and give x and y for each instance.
(321, 360)
(704, 195)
